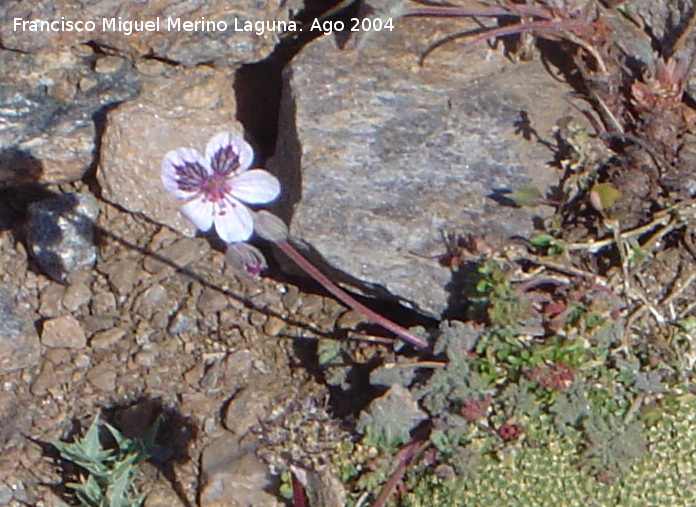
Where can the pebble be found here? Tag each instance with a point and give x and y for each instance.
(273, 326)
(211, 301)
(257, 319)
(240, 362)
(146, 358)
(232, 478)
(160, 496)
(19, 342)
(245, 410)
(181, 253)
(106, 338)
(351, 320)
(52, 300)
(60, 233)
(311, 305)
(103, 377)
(291, 298)
(108, 64)
(86, 83)
(181, 323)
(76, 296)
(153, 298)
(5, 494)
(45, 379)
(103, 301)
(124, 274)
(63, 331)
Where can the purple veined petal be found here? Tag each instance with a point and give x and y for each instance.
(236, 222)
(230, 153)
(200, 211)
(183, 171)
(255, 187)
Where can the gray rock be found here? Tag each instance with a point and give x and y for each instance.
(204, 44)
(48, 131)
(234, 476)
(393, 154)
(663, 18)
(60, 233)
(19, 342)
(63, 332)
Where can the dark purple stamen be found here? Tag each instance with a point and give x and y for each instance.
(225, 161)
(190, 176)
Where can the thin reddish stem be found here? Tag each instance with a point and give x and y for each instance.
(403, 457)
(347, 299)
(298, 499)
(480, 12)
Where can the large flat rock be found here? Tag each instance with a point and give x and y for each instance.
(380, 155)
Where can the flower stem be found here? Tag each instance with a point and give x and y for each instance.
(347, 299)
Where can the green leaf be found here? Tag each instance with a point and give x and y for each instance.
(526, 196)
(605, 195)
(547, 244)
(328, 351)
(390, 418)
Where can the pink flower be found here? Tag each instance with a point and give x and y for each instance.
(216, 187)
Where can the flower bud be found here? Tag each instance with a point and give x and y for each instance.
(269, 226)
(246, 259)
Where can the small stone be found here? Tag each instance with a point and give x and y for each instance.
(60, 233)
(93, 324)
(45, 379)
(211, 301)
(81, 360)
(103, 301)
(257, 319)
(108, 64)
(238, 363)
(351, 320)
(311, 305)
(273, 326)
(234, 479)
(87, 83)
(153, 298)
(5, 494)
(123, 274)
(19, 342)
(181, 323)
(179, 254)
(103, 377)
(146, 358)
(106, 338)
(245, 410)
(160, 496)
(51, 304)
(76, 295)
(291, 298)
(63, 331)
(82, 50)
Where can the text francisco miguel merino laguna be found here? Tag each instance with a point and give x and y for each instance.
(170, 24)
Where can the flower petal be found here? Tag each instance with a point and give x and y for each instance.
(200, 212)
(255, 187)
(229, 153)
(183, 170)
(234, 222)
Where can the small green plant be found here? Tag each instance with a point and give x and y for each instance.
(110, 471)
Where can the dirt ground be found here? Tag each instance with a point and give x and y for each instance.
(160, 324)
